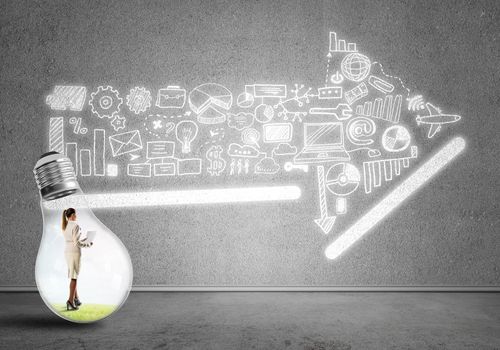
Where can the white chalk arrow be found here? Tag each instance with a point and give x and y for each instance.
(325, 222)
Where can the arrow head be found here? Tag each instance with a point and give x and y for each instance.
(326, 223)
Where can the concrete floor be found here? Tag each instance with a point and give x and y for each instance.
(270, 320)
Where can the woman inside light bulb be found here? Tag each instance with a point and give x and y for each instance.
(72, 233)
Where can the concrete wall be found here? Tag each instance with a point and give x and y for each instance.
(445, 234)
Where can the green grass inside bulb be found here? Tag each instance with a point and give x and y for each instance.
(86, 312)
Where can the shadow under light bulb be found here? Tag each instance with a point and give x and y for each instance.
(105, 275)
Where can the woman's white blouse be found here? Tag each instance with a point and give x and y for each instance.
(72, 235)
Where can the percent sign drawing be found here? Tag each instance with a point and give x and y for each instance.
(78, 129)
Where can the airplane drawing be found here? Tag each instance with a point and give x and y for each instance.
(436, 119)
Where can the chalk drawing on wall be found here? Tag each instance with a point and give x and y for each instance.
(139, 100)
(323, 142)
(126, 142)
(435, 119)
(67, 98)
(105, 102)
(210, 101)
(78, 128)
(56, 134)
(396, 138)
(185, 132)
(357, 130)
(389, 168)
(355, 67)
(216, 164)
(341, 112)
(171, 97)
(118, 123)
(240, 121)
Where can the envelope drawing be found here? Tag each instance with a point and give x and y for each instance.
(125, 142)
(171, 97)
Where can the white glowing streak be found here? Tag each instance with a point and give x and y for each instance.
(163, 198)
(396, 197)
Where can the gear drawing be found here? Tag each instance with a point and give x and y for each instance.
(118, 122)
(105, 102)
(139, 100)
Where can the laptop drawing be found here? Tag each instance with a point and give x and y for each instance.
(323, 142)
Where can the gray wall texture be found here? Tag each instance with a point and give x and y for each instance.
(447, 234)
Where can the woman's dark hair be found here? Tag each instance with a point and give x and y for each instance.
(66, 215)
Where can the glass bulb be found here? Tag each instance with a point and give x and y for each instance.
(105, 270)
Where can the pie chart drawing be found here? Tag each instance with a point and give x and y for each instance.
(210, 95)
(396, 138)
(342, 179)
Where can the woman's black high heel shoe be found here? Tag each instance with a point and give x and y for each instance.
(77, 302)
(70, 306)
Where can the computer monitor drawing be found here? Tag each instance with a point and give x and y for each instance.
(323, 142)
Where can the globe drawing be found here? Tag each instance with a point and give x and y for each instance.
(355, 66)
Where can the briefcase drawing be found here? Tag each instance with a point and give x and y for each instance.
(171, 97)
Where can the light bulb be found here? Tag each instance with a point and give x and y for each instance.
(104, 276)
(186, 132)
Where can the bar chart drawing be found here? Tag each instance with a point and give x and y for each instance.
(56, 135)
(340, 45)
(99, 152)
(72, 154)
(85, 162)
(388, 109)
(390, 168)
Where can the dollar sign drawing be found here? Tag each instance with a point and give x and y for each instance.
(217, 164)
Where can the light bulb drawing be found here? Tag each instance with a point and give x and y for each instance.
(186, 132)
(101, 272)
